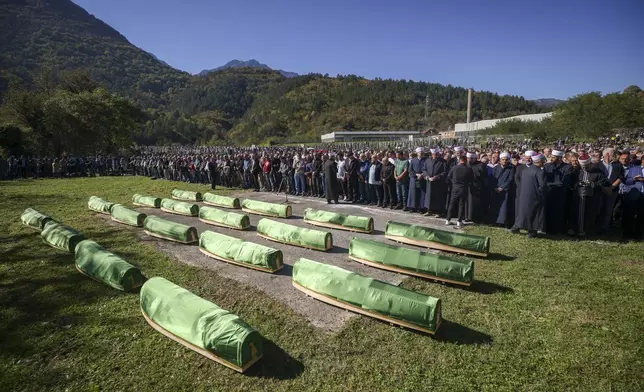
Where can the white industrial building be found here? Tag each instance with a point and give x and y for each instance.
(469, 129)
(354, 136)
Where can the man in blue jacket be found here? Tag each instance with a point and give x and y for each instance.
(632, 191)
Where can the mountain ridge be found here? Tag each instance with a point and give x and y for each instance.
(249, 63)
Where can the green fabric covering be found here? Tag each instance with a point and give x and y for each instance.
(99, 205)
(294, 235)
(411, 259)
(475, 243)
(35, 219)
(128, 216)
(241, 251)
(60, 236)
(180, 206)
(280, 210)
(349, 221)
(170, 229)
(95, 261)
(223, 201)
(149, 201)
(200, 322)
(186, 195)
(239, 221)
(368, 293)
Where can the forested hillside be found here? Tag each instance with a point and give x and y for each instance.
(44, 38)
(60, 35)
(305, 107)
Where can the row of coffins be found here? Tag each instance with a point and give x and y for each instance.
(170, 309)
(219, 335)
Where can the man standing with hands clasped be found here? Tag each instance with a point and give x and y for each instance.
(460, 177)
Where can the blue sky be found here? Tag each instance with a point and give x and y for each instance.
(532, 48)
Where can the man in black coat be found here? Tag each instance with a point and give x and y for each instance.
(532, 204)
(353, 169)
(558, 181)
(518, 173)
(476, 201)
(501, 210)
(435, 174)
(587, 196)
(212, 172)
(614, 172)
(330, 179)
(460, 178)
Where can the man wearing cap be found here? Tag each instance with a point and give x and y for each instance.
(532, 201)
(526, 162)
(587, 196)
(501, 210)
(416, 194)
(460, 178)
(614, 173)
(477, 198)
(435, 174)
(558, 180)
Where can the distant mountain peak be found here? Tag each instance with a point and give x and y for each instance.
(250, 63)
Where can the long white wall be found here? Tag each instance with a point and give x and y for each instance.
(484, 124)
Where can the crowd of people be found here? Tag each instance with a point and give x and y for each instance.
(578, 189)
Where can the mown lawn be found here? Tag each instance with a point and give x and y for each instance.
(549, 315)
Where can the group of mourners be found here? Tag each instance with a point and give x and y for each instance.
(543, 192)
(573, 189)
(24, 166)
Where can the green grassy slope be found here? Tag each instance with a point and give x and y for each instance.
(547, 315)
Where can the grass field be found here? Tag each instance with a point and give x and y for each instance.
(548, 315)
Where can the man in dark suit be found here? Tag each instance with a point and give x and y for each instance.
(353, 169)
(558, 181)
(435, 173)
(460, 178)
(614, 172)
(212, 171)
(330, 180)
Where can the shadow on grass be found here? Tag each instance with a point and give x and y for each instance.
(276, 363)
(36, 305)
(481, 287)
(451, 332)
(498, 257)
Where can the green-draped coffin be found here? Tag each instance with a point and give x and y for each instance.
(293, 235)
(411, 261)
(438, 239)
(169, 230)
(339, 221)
(263, 208)
(247, 254)
(179, 207)
(367, 295)
(60, 236)
(35, 219)
(200, 324)
(99, 205)
(224, 218)
(186, 195)
(146, 201)
(221, 201)
(122, 214)
(97, 263)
